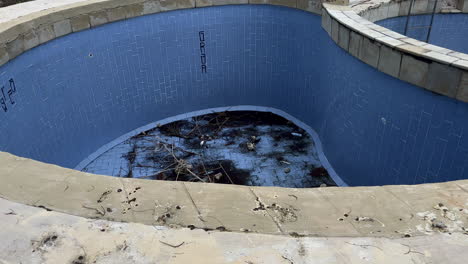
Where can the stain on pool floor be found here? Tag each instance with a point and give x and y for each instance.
(238, 147)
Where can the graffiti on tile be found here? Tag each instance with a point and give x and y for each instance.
(201, 36)
(6, 96)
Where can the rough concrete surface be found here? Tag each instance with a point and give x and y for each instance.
(35, 235)
(390, 211)
(363, 5)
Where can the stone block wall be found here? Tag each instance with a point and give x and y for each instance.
(437, 69)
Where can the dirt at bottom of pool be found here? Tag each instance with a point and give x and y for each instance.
(236, 147)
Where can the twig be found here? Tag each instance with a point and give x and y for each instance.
(168, 168)
(221, 126)
(11, 212)
(202, 161)
(172, 246)
(412, 251)
(196, 127)
(139, 165)
(156, 174)
(200, 179)
(363, 246)
(172, 146)
(290, 261)
(171, 151)
(203, 165)
(383, 225)
(177, 176)
(103, 212)
(225, 172)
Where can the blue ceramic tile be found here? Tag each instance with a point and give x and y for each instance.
(80, 92)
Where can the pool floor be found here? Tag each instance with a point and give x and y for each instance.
(243, 147)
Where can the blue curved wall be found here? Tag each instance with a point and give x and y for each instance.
(79, 92)
(448, 30)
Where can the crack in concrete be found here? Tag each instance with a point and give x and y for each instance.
(363, 246)
(272, 218)
(337, 209)
(459, 186)
(399, 199)
(194, 204)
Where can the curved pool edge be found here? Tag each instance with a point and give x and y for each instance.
(437, 69)
(395, 210)
(25, 26)
(316, 139)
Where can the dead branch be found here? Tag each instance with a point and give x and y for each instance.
(225, 172)
(172, 246)
(363, 246)
(103, 212)
(11, 212)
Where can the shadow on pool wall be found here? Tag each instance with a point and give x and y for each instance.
(79, 92)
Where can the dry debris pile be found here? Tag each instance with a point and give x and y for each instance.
(237, 147)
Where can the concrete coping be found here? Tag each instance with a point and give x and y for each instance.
(375, 10)
(390, 211)
(435, 68)
(27, 25)
(380, 211)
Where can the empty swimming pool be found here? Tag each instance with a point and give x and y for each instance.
(66, 99)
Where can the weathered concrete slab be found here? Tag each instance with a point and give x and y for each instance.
(343, 37)
(303, 212)
(414, 71)
(371, 210)
(160, 204)
(393, 211)
(435, 208)
(230, 207)
(369, 52)
(389, 61)
(443, 79)
(355, 43)
(33, 235)
(54, 188)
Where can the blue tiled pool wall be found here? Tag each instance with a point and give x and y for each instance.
(448, 30)
(81, 91)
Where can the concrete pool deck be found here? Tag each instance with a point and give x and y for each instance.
(34, 235)
(389, 224)
(389, 211)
